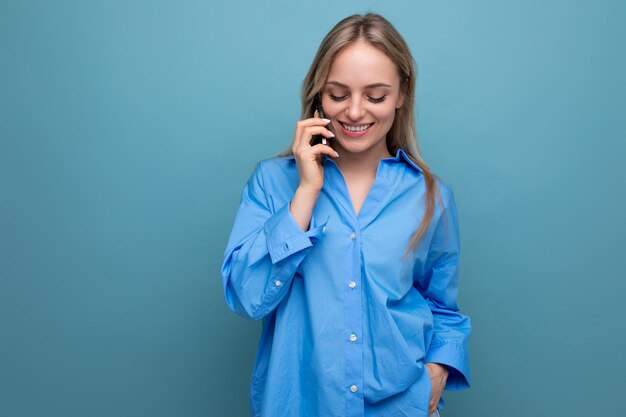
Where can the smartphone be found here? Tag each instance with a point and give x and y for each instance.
(317, 105)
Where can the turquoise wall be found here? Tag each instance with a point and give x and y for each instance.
(128, 130)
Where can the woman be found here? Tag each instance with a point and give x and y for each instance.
(349, 250)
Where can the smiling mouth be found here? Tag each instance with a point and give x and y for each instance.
(356, 128)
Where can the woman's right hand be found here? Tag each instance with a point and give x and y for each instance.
(309, 158)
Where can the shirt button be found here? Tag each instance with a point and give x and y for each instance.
(353, 388)
(324, 229)
(278, 283)
(353, 337)
(352, 235)
(352, 284)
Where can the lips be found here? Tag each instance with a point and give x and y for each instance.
(356, 128)
(355, 131)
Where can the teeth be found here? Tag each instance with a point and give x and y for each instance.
(356, 128)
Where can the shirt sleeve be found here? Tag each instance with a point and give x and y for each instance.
(439, 285)
(264, 250)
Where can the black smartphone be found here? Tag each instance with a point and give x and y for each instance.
(317, 105)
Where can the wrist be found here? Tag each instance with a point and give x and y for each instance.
(442, 366)
(308, 190)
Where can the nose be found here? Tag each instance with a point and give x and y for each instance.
(355, 109)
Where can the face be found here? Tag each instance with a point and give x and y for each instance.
(360, 97)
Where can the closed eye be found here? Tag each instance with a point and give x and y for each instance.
(377, 99)
(371, 99)
(336, 98)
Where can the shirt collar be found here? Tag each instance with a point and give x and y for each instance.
(400, 154)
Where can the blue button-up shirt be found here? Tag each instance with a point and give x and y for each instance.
(348, 322)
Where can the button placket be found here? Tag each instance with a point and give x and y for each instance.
(353, 325)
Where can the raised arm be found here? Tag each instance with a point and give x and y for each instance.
(264, 250)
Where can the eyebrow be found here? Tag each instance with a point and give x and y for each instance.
(337, 83)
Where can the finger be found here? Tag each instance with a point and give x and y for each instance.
(324, 149)
(313, 121)
(432, 407)
(302, 125)
(434, 401)
(309, 132)
(319, 130)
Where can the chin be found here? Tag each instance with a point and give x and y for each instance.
(354, 146)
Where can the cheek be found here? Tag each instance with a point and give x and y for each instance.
(386, 115)
(331, 109)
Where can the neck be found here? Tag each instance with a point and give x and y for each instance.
(364, 163)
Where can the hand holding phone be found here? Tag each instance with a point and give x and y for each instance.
(310, 143)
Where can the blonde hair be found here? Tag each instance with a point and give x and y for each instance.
(380, 33)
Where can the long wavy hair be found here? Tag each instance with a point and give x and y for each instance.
(381, 34)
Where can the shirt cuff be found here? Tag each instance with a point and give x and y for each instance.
(285, 237)
(455, 357)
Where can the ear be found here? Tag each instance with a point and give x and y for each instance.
(400, 100)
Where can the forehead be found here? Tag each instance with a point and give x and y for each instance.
(360, 64)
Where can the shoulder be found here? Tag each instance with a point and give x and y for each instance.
(446, 192)
(275, 172)
(278, 165)
(445, 188)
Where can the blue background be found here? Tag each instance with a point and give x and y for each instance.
(128, 130)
